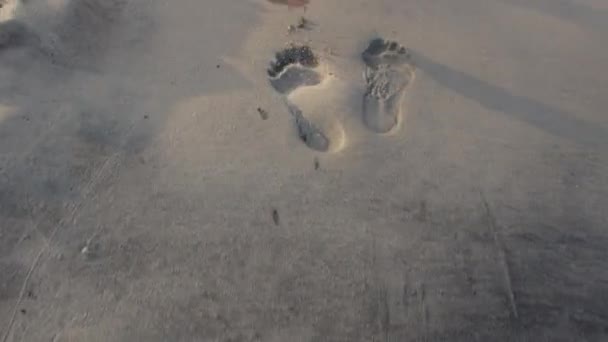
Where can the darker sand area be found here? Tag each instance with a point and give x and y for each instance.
(309, 171)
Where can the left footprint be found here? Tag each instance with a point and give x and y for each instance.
(294, 68)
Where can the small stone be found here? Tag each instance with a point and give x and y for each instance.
(255, 336)
(303, 23)
(263, 113)
(275, 217)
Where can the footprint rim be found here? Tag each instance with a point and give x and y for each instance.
(381, 52)
(293, 55)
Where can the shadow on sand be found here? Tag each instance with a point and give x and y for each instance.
(542, 116)
(594, 20)
(73, 110)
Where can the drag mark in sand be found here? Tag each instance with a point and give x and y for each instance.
(388, 73)
(500, 248)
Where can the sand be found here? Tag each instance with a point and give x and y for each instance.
(382, 170)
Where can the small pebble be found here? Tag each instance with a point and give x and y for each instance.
(263, 113)
(303, 23)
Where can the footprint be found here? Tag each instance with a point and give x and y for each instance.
(293, 69)
(388, 73)
(8, 9)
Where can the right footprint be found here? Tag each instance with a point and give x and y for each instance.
(388, 74)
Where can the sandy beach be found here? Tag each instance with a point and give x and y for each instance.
(306, 171)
